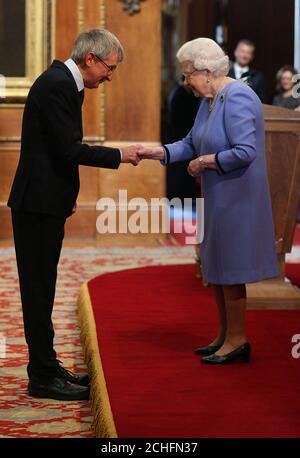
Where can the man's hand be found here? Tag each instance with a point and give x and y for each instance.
(130, 154)
(156, 153)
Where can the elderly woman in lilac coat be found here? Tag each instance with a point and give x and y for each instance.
(226, 147)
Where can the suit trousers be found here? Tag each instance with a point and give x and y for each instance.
(38, 240)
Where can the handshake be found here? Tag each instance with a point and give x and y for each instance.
(133, 154)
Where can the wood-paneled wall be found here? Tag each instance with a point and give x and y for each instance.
(10, 131)
(122, 112)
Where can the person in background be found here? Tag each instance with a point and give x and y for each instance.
(241, 68)
(284, 89)
(284, 95)
(181, 110)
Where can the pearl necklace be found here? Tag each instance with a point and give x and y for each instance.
(212, 103)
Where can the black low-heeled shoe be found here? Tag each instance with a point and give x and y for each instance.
(206, 351)
(241, 354)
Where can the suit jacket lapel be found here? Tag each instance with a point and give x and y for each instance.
(80, 99)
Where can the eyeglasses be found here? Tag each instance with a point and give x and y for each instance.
(187, 75)
(109, 68)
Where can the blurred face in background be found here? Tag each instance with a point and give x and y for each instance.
(244, 54)
(286, 82)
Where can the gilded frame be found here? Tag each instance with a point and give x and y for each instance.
(81, 26)
(39, 48)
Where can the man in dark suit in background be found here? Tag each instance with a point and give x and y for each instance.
(44, 194)
(240, 69)
(181, 110)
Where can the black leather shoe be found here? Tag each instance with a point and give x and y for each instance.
(205, 351)
(82, 379)
(57, 388)
(241, 354)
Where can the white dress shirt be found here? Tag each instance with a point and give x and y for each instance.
(76, 74)
(238, 70)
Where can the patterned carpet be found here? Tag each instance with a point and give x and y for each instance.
(20, 415)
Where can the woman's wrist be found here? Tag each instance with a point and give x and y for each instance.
(160, 152)
(209, 161)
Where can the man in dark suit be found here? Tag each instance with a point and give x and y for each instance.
(181, 110)
(44, 194)
(240, 69)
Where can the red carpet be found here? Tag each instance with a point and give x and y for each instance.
(148, 322)
(292, 272)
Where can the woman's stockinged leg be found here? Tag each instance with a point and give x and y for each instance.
(235, 306)
(219, 296)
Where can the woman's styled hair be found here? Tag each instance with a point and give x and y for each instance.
(101, 42)
(205, 54)
(285, 68)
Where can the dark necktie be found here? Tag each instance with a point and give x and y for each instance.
(81, 96)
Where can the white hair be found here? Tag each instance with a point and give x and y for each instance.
(204, 54)
(99, 41)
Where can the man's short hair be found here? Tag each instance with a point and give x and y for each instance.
(245, 41)
(101, 42)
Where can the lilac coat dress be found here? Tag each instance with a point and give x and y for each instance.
(238, 245)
